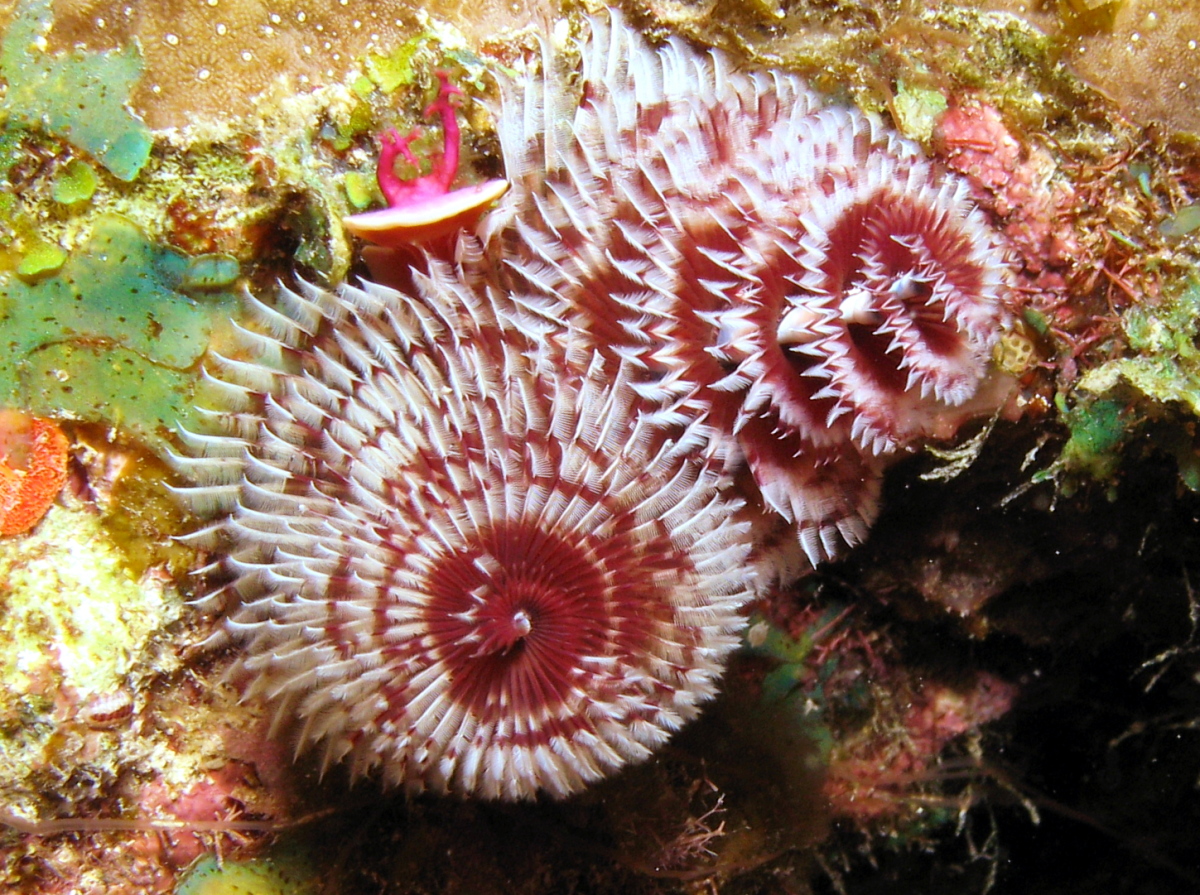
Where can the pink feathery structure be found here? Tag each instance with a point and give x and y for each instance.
(797, 286)
(451, 569)
(482, 534)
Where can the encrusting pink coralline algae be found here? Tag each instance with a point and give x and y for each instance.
(492, 534)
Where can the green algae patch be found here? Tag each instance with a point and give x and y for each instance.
(1155, 391)
(10, 153)
(115, 336)
(209, 272)
(106, 384)
(41, 258)
(801, 685)
(80, 96)
(916, 110)
(361, 190)
(361, 120)
(1166, 367)
(395, 69)
(1099, 428)
(1181, 223)
(75, 184)
(284, 870)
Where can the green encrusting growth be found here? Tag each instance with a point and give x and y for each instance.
(360, 190)
(75, 183)
(916, 110)
(798, 687)
(285, 870)
(41, 258)
(10, 153)
(395, 69)
(1098, 429)
(1166, 367)
(1155, 391)
(79, 96)
(116, 334)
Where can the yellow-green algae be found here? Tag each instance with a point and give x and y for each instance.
(916, 110)
(1154, 390)
(396, 68)
(137, 509)
(285, 870)
(860, 51)
(10, 152)
(361, 190)
(70, 611)
(80, 96)
(41, 258)
(75, 183)
(1166, 367)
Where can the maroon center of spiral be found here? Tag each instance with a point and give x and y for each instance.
(887, 229)
(515, 618)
